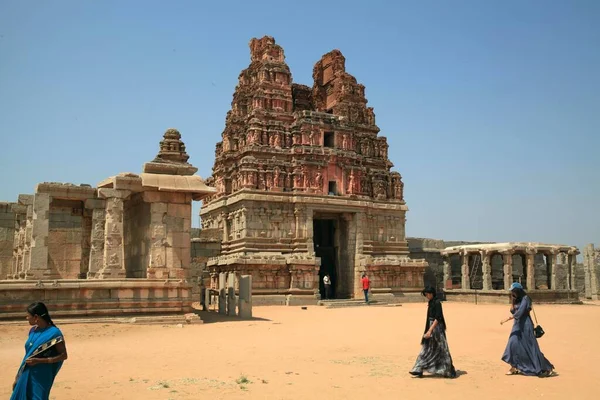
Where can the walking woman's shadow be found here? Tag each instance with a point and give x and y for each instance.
(459, 373)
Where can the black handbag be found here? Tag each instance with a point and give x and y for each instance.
(538, 331)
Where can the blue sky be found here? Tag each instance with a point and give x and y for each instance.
(491, 108)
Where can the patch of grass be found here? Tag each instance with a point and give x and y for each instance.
(242, 380)
(164, 384)
(264, 381)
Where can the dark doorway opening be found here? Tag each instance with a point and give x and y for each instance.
(324, 239)
(328, 139)
(332, 190)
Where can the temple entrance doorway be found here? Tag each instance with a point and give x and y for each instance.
(331, 239)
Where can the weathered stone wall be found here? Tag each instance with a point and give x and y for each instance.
(65, 239)
(7, 237)
(136, 226)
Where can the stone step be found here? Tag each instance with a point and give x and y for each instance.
(344, 303)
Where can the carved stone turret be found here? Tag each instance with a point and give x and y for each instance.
(172, 157)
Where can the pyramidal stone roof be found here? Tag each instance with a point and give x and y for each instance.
(172, 159)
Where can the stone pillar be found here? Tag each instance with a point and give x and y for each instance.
(38, 257)
(464, 271)
(222, 293)
(245, 301)
(447, 273)
(588, 259)
(157, 266)
(23, 264)
(231, 300)
(113, 265)
(594, 273)
(552, 262)
(508, 268)
(572, 264)
(530, 254)
(486, 269)
(98, 208)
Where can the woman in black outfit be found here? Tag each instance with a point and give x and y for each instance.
(434, 357)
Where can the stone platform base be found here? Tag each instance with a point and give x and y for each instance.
(503, 297)
(284, 300)
(392, 296)
(96, 298)
(178, 319)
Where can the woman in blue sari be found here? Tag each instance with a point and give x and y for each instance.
(45, 351)
(522, 351)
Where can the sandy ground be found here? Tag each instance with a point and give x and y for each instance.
(290, 353)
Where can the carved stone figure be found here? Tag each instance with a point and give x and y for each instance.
(262, 184)
(351, 183)
(345, 144)
(319, 180)
(276, 177)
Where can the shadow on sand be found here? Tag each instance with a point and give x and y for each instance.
(211, 317)
(459, 373)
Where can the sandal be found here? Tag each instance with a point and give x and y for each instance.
(513, 371)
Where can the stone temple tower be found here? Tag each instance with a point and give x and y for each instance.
(305, 187)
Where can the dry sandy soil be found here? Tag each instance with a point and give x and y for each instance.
(290, 353)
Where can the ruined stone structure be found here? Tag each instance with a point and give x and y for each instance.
(431, 250)
(121, 247)
(591, 263)
(305, 187)
(494, 267)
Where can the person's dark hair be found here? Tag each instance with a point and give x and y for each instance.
(518, 294)
(429, 289)
(40, 309)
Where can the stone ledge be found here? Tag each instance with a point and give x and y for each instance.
(181, 319)
(502, 296)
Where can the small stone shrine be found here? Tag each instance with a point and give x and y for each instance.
(122, 247)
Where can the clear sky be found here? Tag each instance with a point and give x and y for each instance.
(491, 108)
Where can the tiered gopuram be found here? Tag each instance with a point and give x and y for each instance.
(305, 187)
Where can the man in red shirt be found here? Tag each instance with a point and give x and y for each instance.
(366, 284)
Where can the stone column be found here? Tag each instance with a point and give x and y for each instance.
(222, 293)
(588, 260)
(486, 269)
(231, 300)
(245, 304)
(98, 208)
(508, 268)
(157, 265)
(24, 262)
(530, 254)
(591, 269)
(224, 217)
(447, 273)
(38, 256)
(594, 273)
(464, 271)
(113, 265)
(552, 260)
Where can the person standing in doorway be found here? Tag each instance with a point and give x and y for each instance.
(327, 284)
(366, 284)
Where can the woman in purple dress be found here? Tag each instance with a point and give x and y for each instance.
(522, 352)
